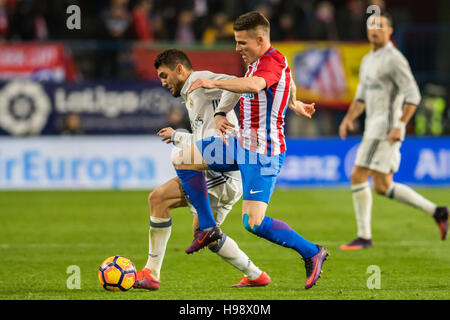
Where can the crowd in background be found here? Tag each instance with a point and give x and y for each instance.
(184, 21)
(207, 22)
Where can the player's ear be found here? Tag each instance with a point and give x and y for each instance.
(260, 39)
(391, 31)
(179, 68)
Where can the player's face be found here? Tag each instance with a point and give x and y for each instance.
(170, 79)
(379, 35)
(248, 45)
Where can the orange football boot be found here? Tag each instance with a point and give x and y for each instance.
(144, 280)
(261, 281)
(357, 244)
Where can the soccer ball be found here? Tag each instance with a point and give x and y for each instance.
(117, 273)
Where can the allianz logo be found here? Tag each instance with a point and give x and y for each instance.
(324, 168)
(433, 163)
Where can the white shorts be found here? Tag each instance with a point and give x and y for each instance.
(379, 155)
(222, 198)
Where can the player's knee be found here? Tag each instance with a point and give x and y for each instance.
(355, 177)
(249, 224)
(155, 198)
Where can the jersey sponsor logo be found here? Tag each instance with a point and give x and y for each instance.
(197, 123)
(374, 86)
(248, 96)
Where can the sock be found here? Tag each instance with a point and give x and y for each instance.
(362, 204)
(159, 233)
(279, 232)
(405, 194)
(195, 188)
(228, 250)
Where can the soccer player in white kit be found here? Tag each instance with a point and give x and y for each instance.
(225, 189)
(389, 94)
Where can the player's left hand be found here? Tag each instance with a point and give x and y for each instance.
(201, 83)
(166, 134)
(223, 127)
(395, 135)
(303, 109)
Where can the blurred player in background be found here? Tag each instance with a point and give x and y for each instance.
(259, 151)
(225, 189)
(389, 94)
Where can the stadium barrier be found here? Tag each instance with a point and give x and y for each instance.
(77, 162)
(329, 162)
(36, 61)
(104, 107)
(143, 162)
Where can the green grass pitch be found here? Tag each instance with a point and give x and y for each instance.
(43, 233)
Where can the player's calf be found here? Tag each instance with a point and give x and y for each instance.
(281, 233)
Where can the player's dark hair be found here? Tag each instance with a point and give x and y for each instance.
(171, 58)
(388, 17)
(251, 20)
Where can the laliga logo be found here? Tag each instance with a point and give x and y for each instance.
(24, 108)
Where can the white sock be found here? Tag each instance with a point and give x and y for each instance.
(362, 203)
(405, 194)
(229, 251)
(159, 234)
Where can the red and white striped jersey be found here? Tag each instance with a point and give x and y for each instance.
(262, 114)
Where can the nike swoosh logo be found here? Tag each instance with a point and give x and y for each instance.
(201, 241)
(310, 280)
(253, 192)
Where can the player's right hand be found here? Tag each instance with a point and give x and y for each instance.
(223, 126)
(346, 125)
(166, 134)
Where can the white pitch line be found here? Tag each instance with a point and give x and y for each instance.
(59, 245)
(403, 243)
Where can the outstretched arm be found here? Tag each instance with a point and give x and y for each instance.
(300, 108)
(237, 85)
(179, 138)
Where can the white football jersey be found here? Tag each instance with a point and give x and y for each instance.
(201, 105)
(385, 84)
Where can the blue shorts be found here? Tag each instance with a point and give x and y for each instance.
(259, 172)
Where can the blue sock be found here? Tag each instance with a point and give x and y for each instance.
(280, 233)
(195, 188)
